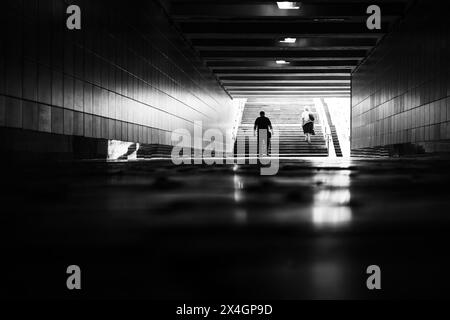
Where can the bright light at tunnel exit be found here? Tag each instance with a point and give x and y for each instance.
(288, 5)
(289, 40)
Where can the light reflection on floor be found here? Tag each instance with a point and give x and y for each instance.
(331, 205)
(225, 231)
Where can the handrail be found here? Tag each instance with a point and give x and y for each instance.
(324, 122)
(328, 139)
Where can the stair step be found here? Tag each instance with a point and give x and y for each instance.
(285, 116)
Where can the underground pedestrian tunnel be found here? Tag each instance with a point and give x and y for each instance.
(94, 98)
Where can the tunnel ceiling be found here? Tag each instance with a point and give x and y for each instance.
(242, 40)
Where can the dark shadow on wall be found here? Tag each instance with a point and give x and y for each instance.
(24, 145)
(431, 149)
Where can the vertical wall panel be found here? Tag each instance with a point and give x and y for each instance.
(400, 93)
(45, 118)
(57, 115)
(127, 75)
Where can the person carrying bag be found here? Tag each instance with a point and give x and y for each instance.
(308, 124)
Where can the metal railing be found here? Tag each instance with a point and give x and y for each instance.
(328, 139)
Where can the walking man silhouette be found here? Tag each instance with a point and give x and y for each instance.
(263, 129)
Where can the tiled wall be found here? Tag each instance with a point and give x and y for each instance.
(401, 93)
(126, 75)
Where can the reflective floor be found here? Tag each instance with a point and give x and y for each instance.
(148, 229)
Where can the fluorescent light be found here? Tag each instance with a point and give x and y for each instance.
(282, 62)
(289, 40)
(288, 5)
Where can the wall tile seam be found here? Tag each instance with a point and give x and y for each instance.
(382, 42)
(397, 96)
(404, 111)
(88, 113)
(386, 61)
(192, 62)
(149, 84)
(378, 91)
(90, 136)
(402, 75)
(56, 106)
(195, 83)
(135, 76)
(389, 38)
(93, 85)
(176, 82)
(175, 64)
(381, 133)
(75, 77)
(374, 124)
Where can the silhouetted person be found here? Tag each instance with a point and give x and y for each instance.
(263, 127)
(308, 125)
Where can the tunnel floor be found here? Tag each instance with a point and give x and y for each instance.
(148, 229)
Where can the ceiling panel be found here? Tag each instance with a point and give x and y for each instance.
(255, 48)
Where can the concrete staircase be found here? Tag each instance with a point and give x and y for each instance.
(285, 115)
